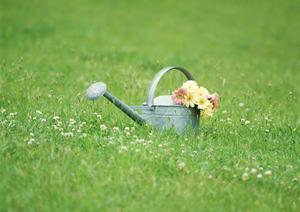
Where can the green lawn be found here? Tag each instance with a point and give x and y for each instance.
(53, 155)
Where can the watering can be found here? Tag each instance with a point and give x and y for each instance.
(159, 112)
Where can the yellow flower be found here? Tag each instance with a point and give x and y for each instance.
(190, 85)
(202, 102)
(189, 99)
(208, 111)
(201, 91)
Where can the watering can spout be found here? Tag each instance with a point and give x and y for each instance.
(98, 89)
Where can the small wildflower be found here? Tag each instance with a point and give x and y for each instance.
(268, 173)
(31, 140)
(39, 112)
(126, 129)
(2, 110)
(13, 114)
(241, 104)
(123, 149)
(245, 176)
(103, 127)
(116, 129)
(72, 121)
(56, 117)
(259, 176)
(181, 165)
(84, 135)
(247, 122)
(253, 171)
(99, 116)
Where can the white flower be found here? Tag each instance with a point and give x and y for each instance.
(268, 173)
(181, 165)
(56, 117)
(190, 99)
(72, 121)
(2, 110)
(190, 85)
(253, 171)
(103, 127)
(31, 140)
(245, 176)
(13, 114)
(84, 135)
(116, 129)
(241, 104)
(202, 102)
(201, 91)
(247, 122)
(39, 112)
(123, 149)
(259, 176)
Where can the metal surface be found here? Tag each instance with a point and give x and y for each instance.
(125, 108)
(161, 117)
(158, 76)
(166, 117)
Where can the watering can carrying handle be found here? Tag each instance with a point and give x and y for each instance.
(158, 76)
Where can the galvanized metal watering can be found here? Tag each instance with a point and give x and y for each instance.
(159, 112)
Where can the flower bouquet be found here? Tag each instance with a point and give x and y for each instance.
(192, 95)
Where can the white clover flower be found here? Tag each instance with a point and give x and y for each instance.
(241, 104)
(259, 176)
(56, 117)
(126, 129)
(116, 129)
(31, 141)
(2, 110)
(123, 149)
(84, 135)
(180, 165)
(245, 176)
(253, 171)
(99, 116)
(127, 133)
(39, 112)
(247, 122)
(103, 127)
(268, 173)
(13, 114)
(72, 121)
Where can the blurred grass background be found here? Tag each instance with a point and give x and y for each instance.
(247, 51)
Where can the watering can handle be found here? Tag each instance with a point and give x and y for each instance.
(158, 76)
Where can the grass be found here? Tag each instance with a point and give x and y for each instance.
(247, 51)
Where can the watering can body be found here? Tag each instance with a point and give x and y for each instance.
(164, 117)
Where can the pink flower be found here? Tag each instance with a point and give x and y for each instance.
(178, 95)
(214, 98)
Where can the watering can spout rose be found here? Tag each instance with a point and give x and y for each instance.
(162, 112)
